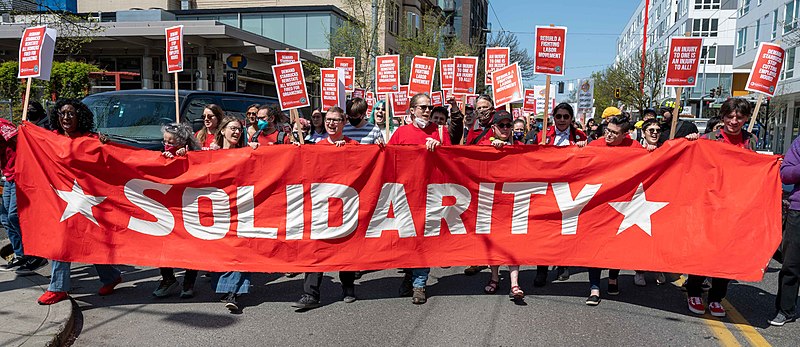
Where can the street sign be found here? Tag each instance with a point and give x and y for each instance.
(236, 61)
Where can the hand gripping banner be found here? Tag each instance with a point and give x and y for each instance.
(689, 207)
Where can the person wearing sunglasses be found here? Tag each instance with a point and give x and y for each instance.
(357, 127)
(564, 133)
(212, 115)
(651, 130)
(378, 117)
(484, 110)
(251, 118)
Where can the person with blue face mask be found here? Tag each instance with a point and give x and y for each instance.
(268, 133)
(519, 130)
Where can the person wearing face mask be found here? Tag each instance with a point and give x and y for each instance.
(564, 133)
(357, 127)
(420, 131)
(251, 116)
(269, 131)
(378, 116)
(682, 129)
(519, 130)
(484, 109)
(212, 115)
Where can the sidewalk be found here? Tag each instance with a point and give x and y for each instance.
(27, 323)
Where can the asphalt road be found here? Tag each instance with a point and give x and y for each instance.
(457, 313)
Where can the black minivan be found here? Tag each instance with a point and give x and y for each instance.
(134, 117)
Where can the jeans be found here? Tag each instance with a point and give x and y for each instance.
(789, 277)
(419, 277)
(313, 280)
(10, 218)
(189, 277)
(719, 287)
(234, 282)
(60, 281)
(594, 276)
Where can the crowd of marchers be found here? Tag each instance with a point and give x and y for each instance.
(478, 124)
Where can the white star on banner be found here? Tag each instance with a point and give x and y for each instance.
(637, 211)
(78, 202)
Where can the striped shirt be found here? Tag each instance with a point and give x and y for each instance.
(366, 135)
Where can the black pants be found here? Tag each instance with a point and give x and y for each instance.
(789, 277)
(719, 287)
(168, 274)
(313, 280)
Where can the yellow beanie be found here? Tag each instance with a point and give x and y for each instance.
(611, 111)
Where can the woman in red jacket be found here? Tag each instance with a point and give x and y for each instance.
(212, 115)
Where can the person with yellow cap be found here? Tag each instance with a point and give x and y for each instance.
(683, 129)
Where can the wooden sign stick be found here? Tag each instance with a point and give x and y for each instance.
(755, 113)
(293, 117)
(27, 99)
(676, 112)
(177, 101)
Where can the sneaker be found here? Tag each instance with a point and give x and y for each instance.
(593, 300)
(780, 319)
(31, 265)
(349, 295)
(291, 274)
(638, 279)
(696, 305)
(562, 273)
(473, 270)
(49, 298)
(406, 287)
(706, 285)
(108, 289)
(187, 293)
(541, 279)
(613, 288)
(716, 309)
(306, 302)
(419, 297)
(13, 263)
(661, 278)
(230, 302)
(165, 288)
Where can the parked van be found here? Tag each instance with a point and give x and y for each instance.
(134, 117)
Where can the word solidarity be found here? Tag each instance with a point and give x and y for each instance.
(315, 208)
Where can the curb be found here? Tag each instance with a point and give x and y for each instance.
(57, 326)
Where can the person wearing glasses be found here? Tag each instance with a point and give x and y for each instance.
(269, 131)
(564, 133)
(484, 109)
(317, 132)
(420, 131)
(73, 118)
(378, 116)
(358, 128)
(651, 130)
(212, 114)
(334, 125)
(251, 118)
(682, 129)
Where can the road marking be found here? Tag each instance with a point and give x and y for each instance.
(750, 333)
(720, 331)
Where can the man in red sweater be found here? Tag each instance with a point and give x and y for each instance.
(615, 134)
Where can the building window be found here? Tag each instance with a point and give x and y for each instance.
(412, 24)
(788, 67)
(706, 4)
(744, 7)
(705, 27)
(709, 55)
(757, 34)
(393, 18)
(774, 25)
(741, 41)
(790, 16)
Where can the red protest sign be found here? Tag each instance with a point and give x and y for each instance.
(370, 98)
(381, 97)
(496, 58)
(550, 49)
(357, 92)
(516, 113)
(291, 84)
(400, 101)
(446, 71)
(421, 75)
(766, 69)
(36, 52)
(174, 48)
(285, 57)
(387, 74)
(437, 98)
(507, 85)
(683, 61)
(529, 104)
(332, 88)
(447, 94)
(349, 66)
(471, 99)
(466, 75)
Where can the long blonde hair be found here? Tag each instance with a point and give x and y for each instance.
(219, 114)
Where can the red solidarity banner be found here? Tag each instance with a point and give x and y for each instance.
(683, 61)
(400, 101)
(285, 57)
(446, 72)
(387, 74)
(174, 48)
(550, 49)
(529, 104)
(291, 84)
(507, 85)
(421, 75)
(766, 69)
(323, 208)
(349, 65)
(465, 76)
(496, 58)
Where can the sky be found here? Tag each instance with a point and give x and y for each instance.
(592, 29)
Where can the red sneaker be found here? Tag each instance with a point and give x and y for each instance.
(49, 298)
(716, 309)
(696, 305)
(109, 288)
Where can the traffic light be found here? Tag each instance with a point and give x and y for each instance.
(561, 87)
(719, 91)
(617, 93)
(713, 92)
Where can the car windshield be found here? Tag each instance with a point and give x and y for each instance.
(131, 116)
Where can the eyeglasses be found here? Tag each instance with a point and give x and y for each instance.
(426, 107)
(234, 128)
(653, 130)
(251, 113)
(67, 114)
(333, 120)
(610, 132)
(562, 116)
(380, 109)
(504, 125)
